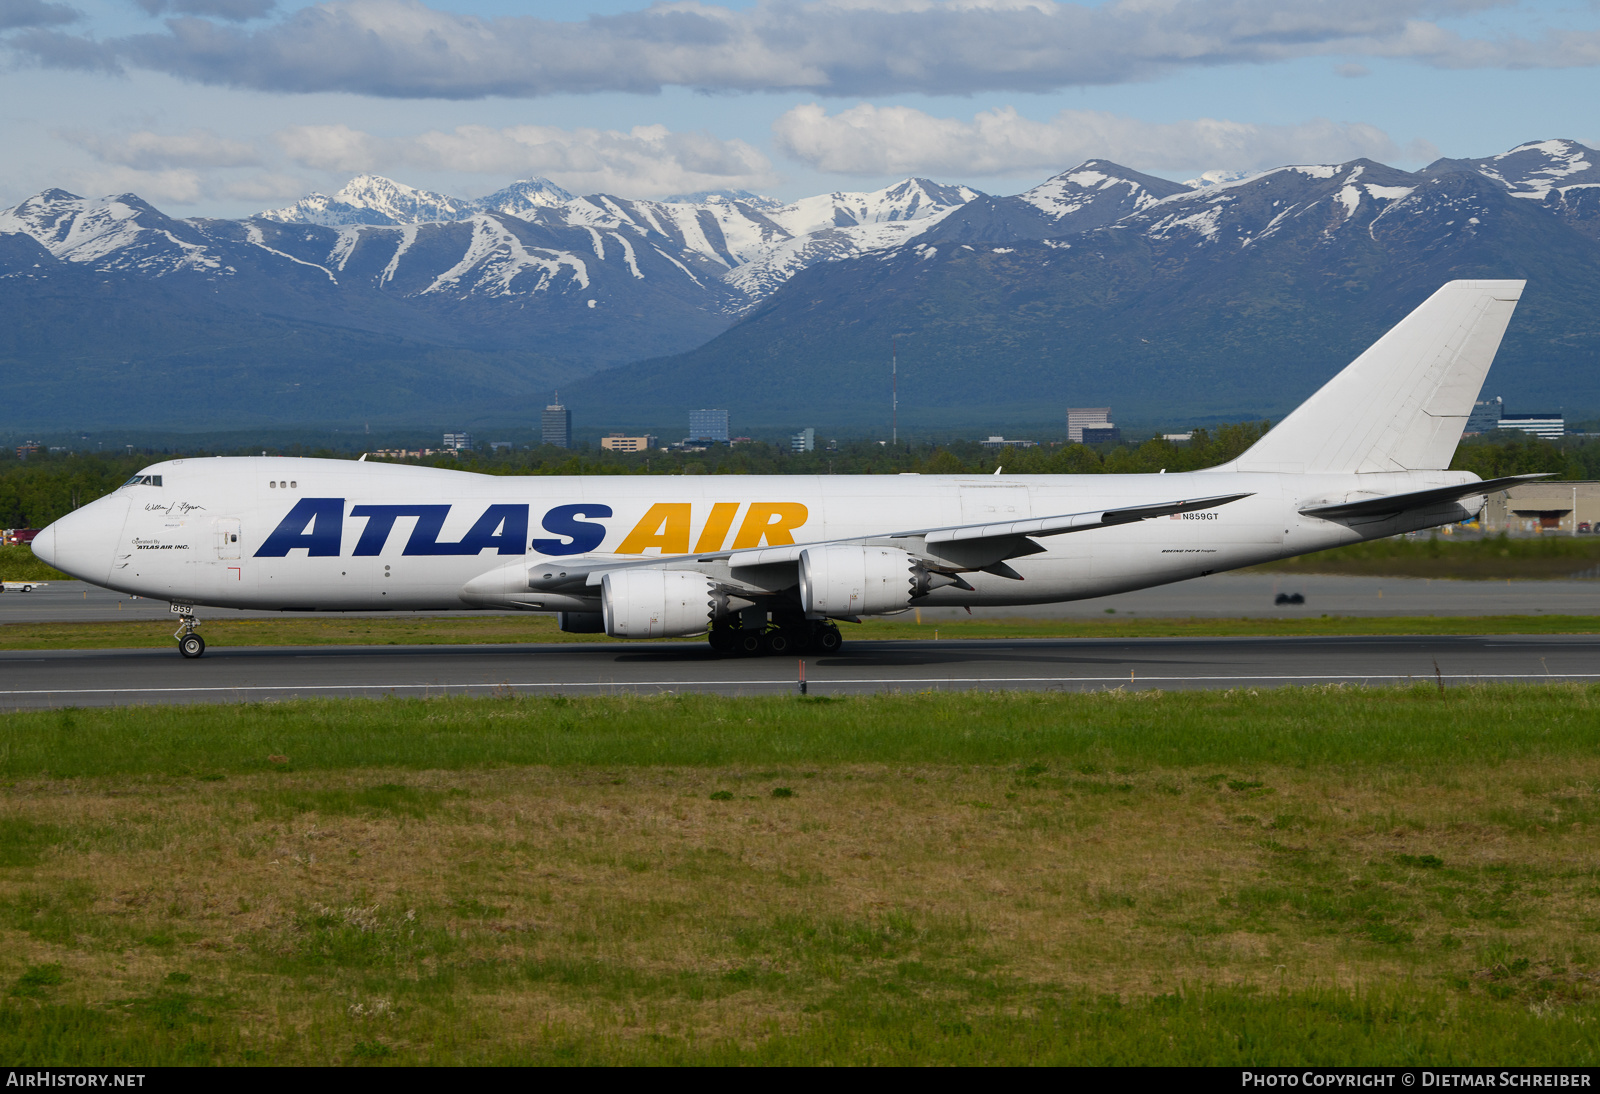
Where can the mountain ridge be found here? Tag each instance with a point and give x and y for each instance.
(645, 308)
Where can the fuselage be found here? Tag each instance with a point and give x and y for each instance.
(335, 535)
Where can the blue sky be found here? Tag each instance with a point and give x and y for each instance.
(225, 107)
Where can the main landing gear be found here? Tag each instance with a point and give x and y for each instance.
(782, 637)
(190, 644)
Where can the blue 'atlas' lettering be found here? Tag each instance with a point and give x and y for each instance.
(314, 523)
(380, 522)
(562, 520)
(502, 527)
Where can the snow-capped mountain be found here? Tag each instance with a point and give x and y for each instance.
(554, 286)
(1235, 299)
(122, 233)
(1097, 192)
(1533, 170)
(372, 199)
(1562, 175)
(523, 198)
(765, 241)
(1091, 195)
(843, 225)
(1256, 207)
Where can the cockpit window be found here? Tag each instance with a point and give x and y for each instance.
(144, 480)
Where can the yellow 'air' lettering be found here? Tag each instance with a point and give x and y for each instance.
(666, 526)
(771, 521)
(717, 525)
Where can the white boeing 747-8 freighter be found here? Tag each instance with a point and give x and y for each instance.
(769, 563)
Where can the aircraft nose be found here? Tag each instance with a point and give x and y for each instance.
(82, 542)
(44, 545)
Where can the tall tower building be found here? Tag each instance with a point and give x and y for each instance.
(1080, 418)
(556, 425)
(708, 425)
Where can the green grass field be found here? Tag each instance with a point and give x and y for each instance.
(1491, 558)
(18, 564)
(1296, 876)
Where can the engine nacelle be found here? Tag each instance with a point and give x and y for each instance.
(846, 579)
(658, 603)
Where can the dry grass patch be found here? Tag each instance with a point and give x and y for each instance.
(586, 913)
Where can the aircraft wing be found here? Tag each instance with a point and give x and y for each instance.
(959, 547)
(1071, 522)
(1393, 504)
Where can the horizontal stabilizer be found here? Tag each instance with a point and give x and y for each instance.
(1391, 504)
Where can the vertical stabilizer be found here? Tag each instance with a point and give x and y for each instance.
(1401, 405)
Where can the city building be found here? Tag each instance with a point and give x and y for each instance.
(1485, 416)
(1002, 442)
(803, 441)
(455, 442)
(622, 442)
(29, 448)
(495, 446)
(1540, 425)
(1544, 508)
(1107, 435)
(1080, 418)
(555, 425)
(1178, 438)
(708, 425)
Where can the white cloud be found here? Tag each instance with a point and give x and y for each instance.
(646, 160)
(894, 140)
(147, 151)
(178, 186)
(402, 48)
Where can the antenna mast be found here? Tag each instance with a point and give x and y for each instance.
(894, 387)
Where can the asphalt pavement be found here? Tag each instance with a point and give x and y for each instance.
(1218, 595)
(37, 679)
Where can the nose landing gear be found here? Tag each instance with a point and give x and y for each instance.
(190, 644)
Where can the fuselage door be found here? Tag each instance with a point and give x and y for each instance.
(226, 532)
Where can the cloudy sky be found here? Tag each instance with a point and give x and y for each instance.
(225, 107)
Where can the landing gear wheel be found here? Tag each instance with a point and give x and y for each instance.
(778, 642)
(827, 639)
(724, 639)
(191, 645)
(750, 643)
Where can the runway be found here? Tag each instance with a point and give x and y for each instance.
(1218, 595)
(35, 679)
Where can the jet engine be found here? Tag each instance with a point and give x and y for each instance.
(659, 603)
(846, 579)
